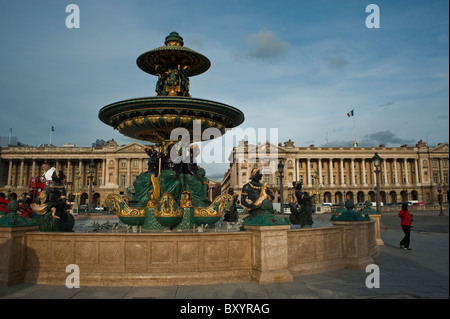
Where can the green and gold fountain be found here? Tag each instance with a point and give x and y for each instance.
(172, 194)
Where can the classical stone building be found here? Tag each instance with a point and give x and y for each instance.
(335, 173)
(413, 173)
(115, 168)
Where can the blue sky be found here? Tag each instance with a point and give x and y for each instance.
(299, 66)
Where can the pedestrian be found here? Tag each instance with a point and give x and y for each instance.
(406, 219)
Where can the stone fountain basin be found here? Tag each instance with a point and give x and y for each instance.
(153, 118)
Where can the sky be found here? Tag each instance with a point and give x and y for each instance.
(296, 66)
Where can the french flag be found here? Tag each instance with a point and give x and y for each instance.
(349, 114)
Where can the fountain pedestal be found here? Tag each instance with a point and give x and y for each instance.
(270, 254)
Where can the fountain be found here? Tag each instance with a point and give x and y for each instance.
(170, 202)
(172, 194)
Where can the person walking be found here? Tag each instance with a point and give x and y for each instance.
(406, 219)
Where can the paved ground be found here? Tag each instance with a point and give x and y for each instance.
(420, 273)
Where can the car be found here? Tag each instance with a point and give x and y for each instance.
(327, 204)
(419, 204)
(374, 204)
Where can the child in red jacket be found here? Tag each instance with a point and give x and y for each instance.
(406, 219)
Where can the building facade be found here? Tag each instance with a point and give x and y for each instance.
(336, 173)
(112, 168)
(333, 173)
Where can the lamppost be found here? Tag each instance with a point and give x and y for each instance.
(441, 213)
(376, 159)
(91, 178)
(280, 170)
(76, 192)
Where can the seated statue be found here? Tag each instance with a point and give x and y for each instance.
(232, 215)
(53, 212)
(301, 213)
(256, 193)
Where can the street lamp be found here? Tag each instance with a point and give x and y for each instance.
(77, 192)
(280, 170)
(376, 159)
(441, 213)
(91, 178)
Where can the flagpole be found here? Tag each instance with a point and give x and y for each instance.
(51, 132)
(355, 142)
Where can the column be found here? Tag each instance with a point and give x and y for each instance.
(33, 169)
(118, 171)
(395, 172)
(69, 175)
(319, 163)
(352, 171)
(341, 169)
(331, 171)
(10, 173)
(104, 180)
(386, 182)
(405, 161)
(416, 169)
(308, 171)
(128, 180)
(363, 168)
(20, 183)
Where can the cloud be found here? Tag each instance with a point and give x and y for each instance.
(386, 105)
(384, 137)
(336, 62)
(264, 45)
(388, 138)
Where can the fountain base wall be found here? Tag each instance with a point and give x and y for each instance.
(265, 254)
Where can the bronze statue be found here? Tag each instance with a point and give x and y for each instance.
(256, 193)
(301, 213)
(232, 215)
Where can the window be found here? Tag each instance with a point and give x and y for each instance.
(301, 178)
(435, 178)
(267, 179)
(122, 180)
(135, 163)
(100, 180)
(300, 163)
(123, 163)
